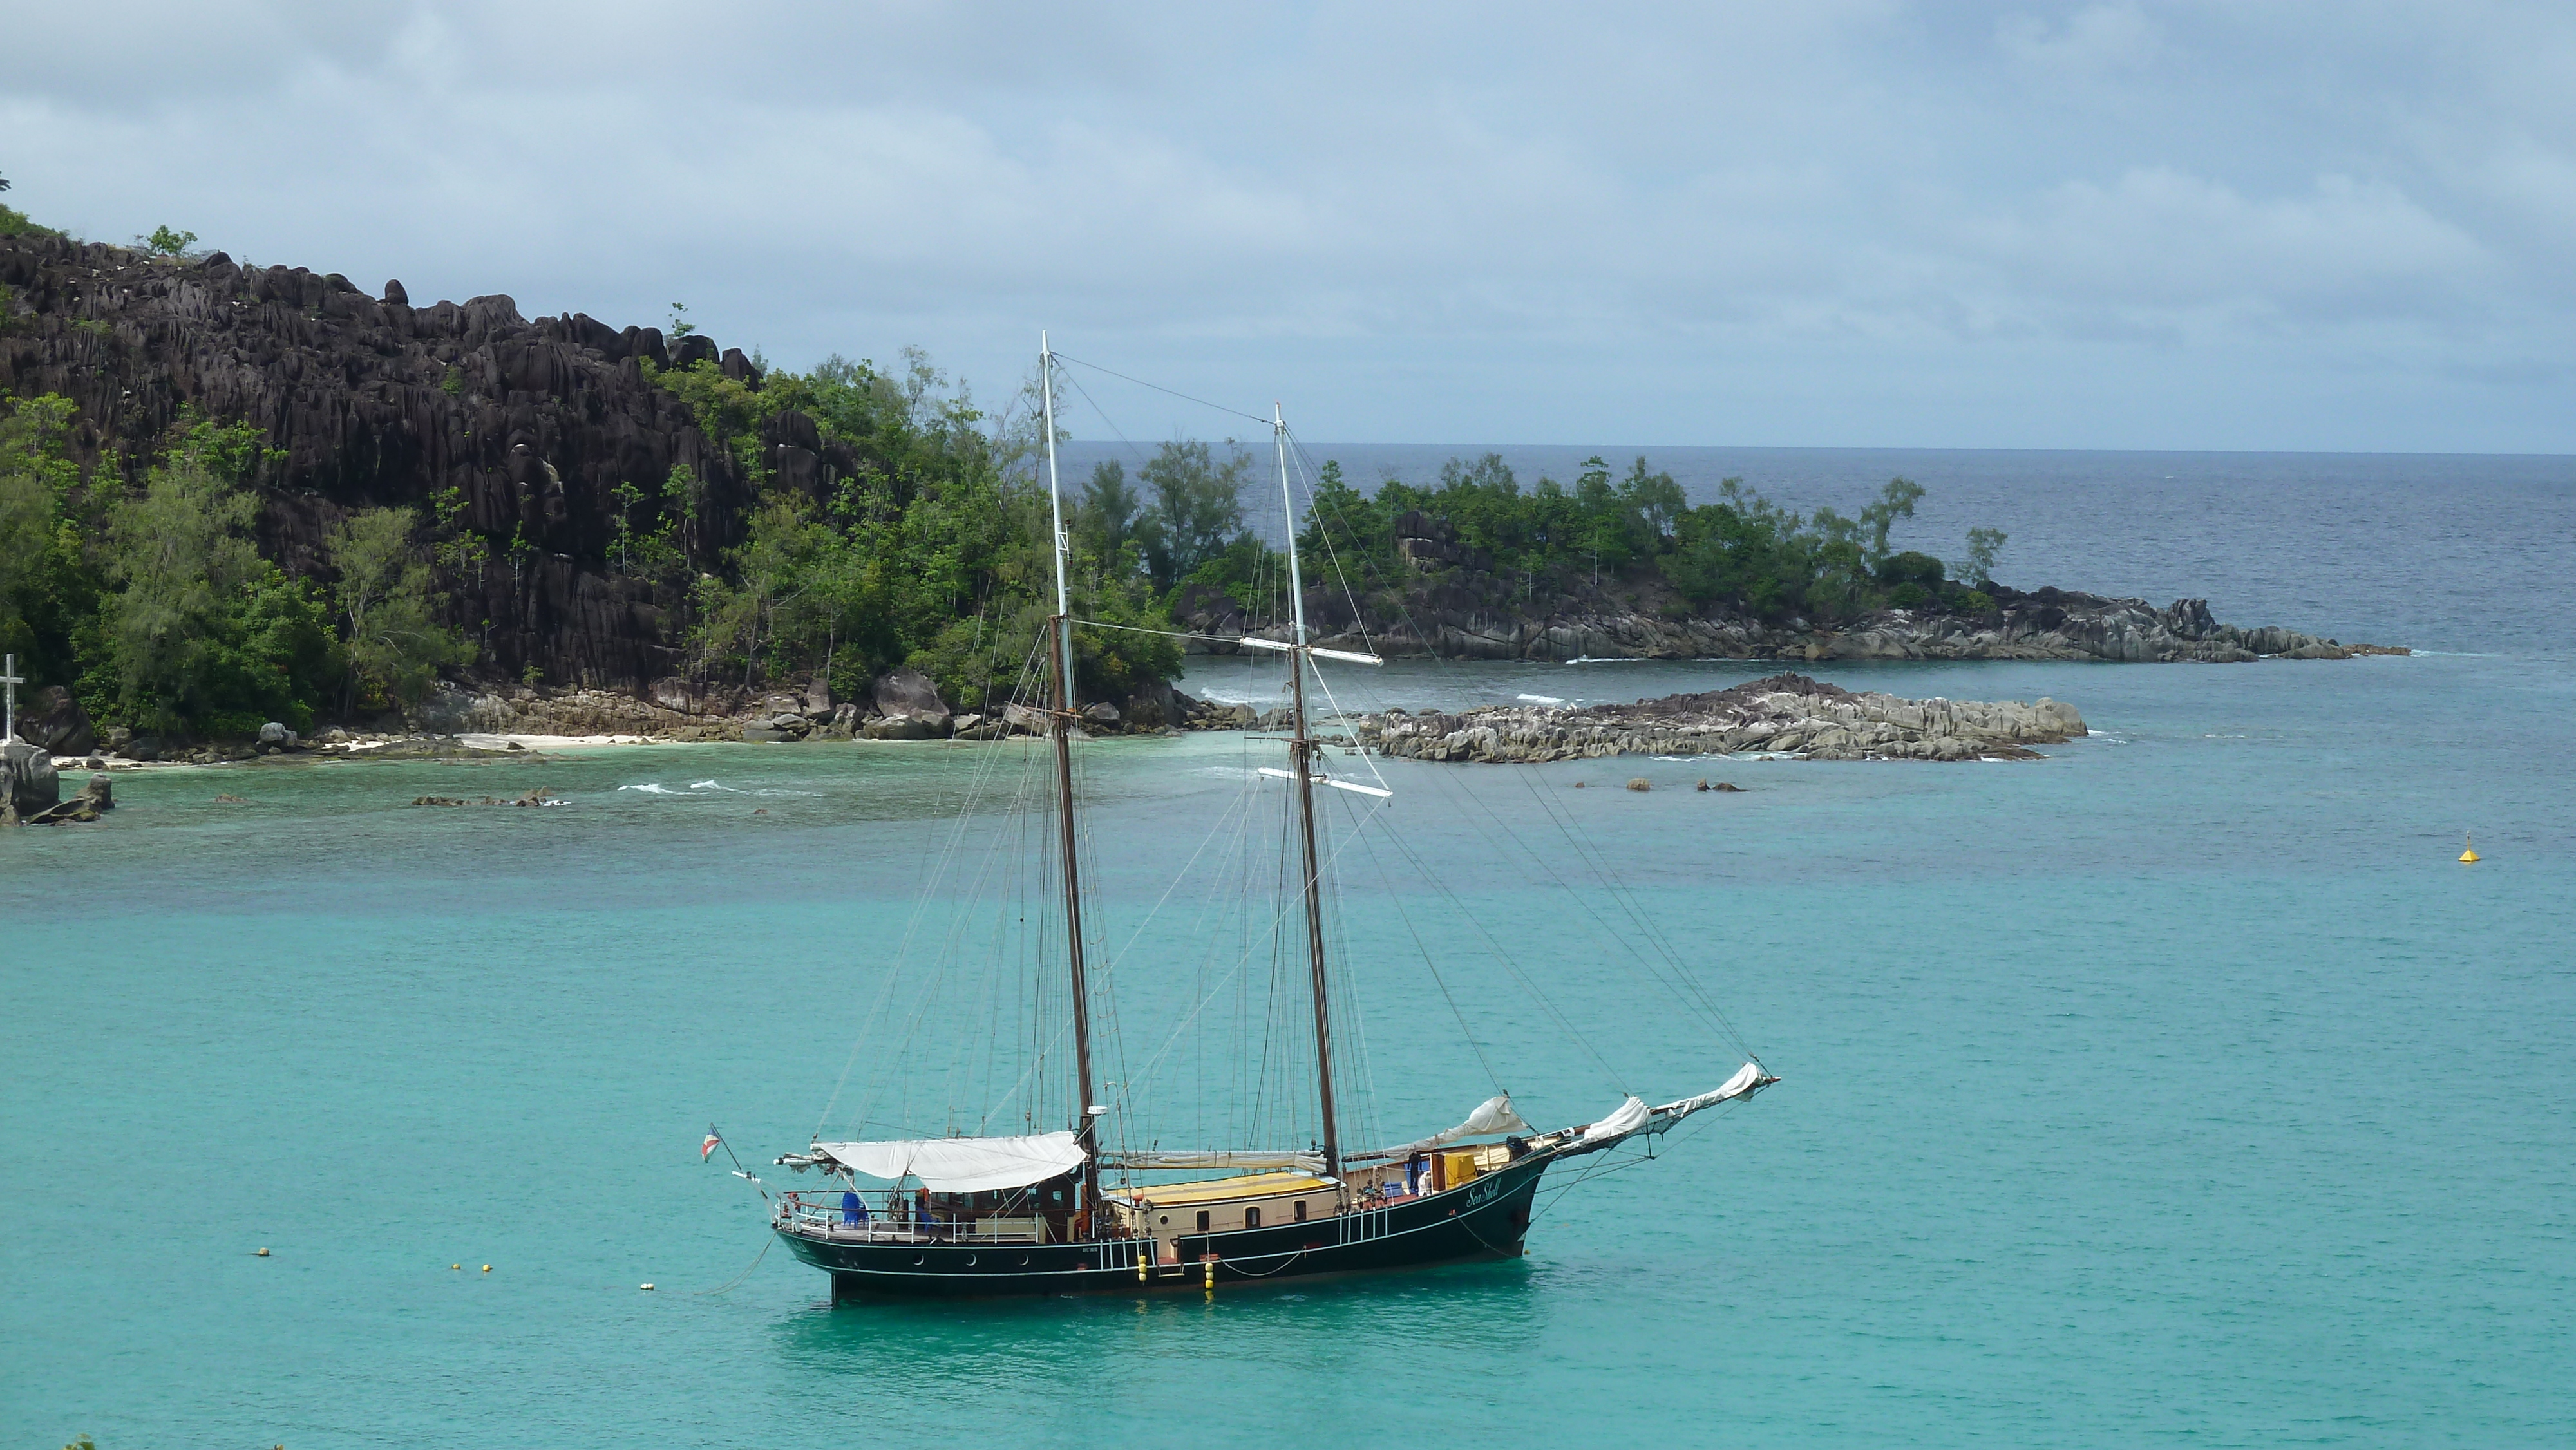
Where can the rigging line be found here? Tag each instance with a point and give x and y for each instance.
(1358, 619)
(1241, 798)
(1236, 844)
(1509, 964)
(1158, 387)
(1112, 423)
(1425, 948)
(745, 1274)
(1691, 991)
(993, 852)
(1272, 927)
(1167, 633)
(1342, 715)
(1610, 933)
(921, 906)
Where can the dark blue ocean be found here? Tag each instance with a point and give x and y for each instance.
(2181, 1088)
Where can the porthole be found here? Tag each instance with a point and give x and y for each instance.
(1166, 1218)
(919, 1259)
(970, 1261)
(1024, 1261)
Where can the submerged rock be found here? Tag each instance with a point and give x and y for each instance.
(1785, 715)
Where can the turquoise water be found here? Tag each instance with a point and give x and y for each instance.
(2180, 1088)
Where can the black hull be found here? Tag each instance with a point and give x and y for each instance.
(1485, 1219)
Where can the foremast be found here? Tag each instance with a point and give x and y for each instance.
(1302, 755)
(1060, 728)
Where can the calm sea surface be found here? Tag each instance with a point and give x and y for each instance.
(2180, 1088)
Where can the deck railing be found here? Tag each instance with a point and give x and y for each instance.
(822, 1217)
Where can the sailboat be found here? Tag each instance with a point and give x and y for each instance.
(1066, 1211)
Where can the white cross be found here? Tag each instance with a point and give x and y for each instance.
(9, 683)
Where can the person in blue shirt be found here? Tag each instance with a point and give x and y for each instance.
(852, 1210)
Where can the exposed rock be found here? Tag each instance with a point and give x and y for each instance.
(274, 733)
(907, 692)
(28, 780)
(1784, 715)
(534, 423)
(1100, 712)
(903, 727)
(95, 796)
(54, 721)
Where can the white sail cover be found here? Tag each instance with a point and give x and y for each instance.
(1632, 1115)
(1493, 1115)
(963, 1165)
(1746, 1081)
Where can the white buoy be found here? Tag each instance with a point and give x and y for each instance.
(645, 1287)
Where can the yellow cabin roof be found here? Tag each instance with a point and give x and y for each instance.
(1210, 1190)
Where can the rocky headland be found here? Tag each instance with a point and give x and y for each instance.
(1451, 618)
(1786, 716)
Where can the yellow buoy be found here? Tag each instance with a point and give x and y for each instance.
(2471, 854)
(263, 1253)
(456, 1266)
(487, 1268)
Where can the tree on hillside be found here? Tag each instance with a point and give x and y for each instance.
(204, 634)
(1983, 546)
(1197, 509)
(34, 478)
(395, 643)
(1106, 517)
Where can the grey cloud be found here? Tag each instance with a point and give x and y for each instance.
(1833, 223)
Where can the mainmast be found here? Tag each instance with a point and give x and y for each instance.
(1060, 726)
(1302, 753)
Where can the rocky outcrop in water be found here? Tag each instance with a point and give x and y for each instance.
(28, 781)
(1785, 715)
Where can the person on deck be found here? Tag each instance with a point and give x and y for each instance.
(853, 1212)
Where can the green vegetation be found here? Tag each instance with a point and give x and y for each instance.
(930, 552)
(1741, 552)
(154, 605)
(201, 635)
(395, 644)
(167, 242)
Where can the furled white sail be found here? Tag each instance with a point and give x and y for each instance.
(1632, 1115)
(1493, 1115)
(1748, 1080)
(962, 1165)
(1301, 1162)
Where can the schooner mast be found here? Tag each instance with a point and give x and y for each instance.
(1060, 726)
(1302, 751)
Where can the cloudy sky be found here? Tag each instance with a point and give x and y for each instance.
(1838, 222)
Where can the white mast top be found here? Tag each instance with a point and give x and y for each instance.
(1055, 506)
(9, 683)
(1288, 501)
